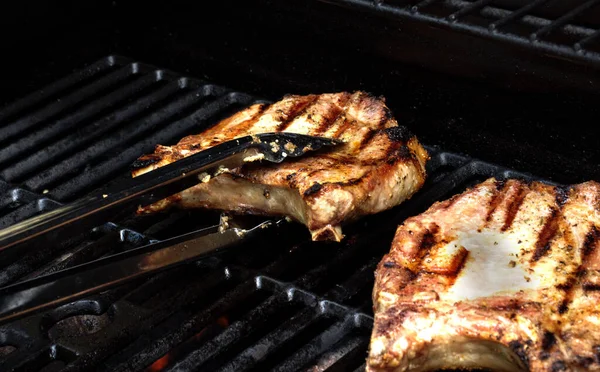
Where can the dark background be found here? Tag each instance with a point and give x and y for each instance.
(497, 102)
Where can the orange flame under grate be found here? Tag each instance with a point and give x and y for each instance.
(163, 362)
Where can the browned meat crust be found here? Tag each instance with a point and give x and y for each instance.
(380, 166)
(504, 275)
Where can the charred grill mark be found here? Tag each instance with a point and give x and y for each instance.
(568, 288)
(428, 239)
(591, 287)
(298, 109)
(367, 139)
(587, 249)
(591, 281)
(546, 235)
(345, 125)
(520, 350)
(499, 193)
(514, 207)
(350, 182)
(401, 152)
(452, 277)
(558, 366)
(387, 116)
(332, 116)
(548, 341)
(398, 134)
(590, 243)
(512, 305)
(247, 124)
(144, 161)
(315, 188)
(562, 195)
(596, 350)
(391, 318)
(291, 178)
(449, 202)
(584, 361)
(329, 120)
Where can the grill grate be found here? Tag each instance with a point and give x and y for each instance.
(555, 27)
(293, 305)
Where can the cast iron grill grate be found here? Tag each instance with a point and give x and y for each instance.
(556, 27)
(289, 305)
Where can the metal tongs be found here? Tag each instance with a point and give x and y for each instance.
(36, 294)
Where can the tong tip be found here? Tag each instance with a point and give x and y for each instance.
(278, 146)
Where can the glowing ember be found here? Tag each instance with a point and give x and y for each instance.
(160, 364)
(191, 343)
(223, 321)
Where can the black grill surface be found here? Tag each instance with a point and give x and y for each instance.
(562, 28)
(279, 303)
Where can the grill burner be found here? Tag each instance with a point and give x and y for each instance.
(292, 305)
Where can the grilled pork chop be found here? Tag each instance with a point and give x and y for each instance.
(380, 165)
(503, 276)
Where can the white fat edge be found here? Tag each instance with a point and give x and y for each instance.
(426, 328)
(527, 327)
(252, 158)
(494, 266)
(378, 345)
(593, 319)
(387, 298)
(222, 169)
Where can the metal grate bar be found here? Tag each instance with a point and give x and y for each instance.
(342, 356)
(564, 19)
(517, 14)
(362, 368)
(167, 334)
(69, 124)
(286, 264)
(76, 141)
(317, 346)
(268, 344)
(235, 333)
(13, 199)
(101, 172)
(51, 111)
(419, 14)
(26, 360)
(314, 277)
(30, 205)
(583, 42)
(155, 293)
(26, 211)
(468, 9)
(355, 284)
(85, 252)
(125, 131)
(345, 263)
(54, 89)
(165, 119)
(422, 4)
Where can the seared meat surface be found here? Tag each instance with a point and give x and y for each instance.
(380, 165)
(503, 276)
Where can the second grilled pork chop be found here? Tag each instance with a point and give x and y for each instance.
(380, 165)
(503, 276)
